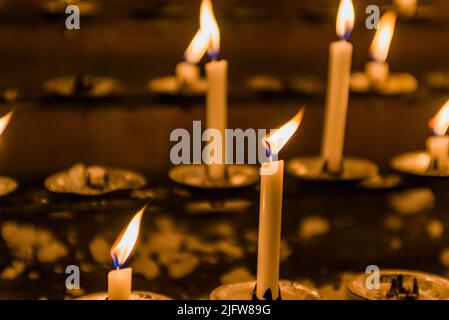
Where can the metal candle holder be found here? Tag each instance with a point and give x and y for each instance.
(135, 295)
(170, 86)
(313, 169)
(397, 284)
(418, 163)
(195, 175)
(289, 290)
(397, 84)
(7, 185)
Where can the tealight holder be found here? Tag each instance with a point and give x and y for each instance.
(265, 84)
(57, 7)
(135, 295)
(171, 86)
(7, 185)
(437, 81)
(397, 284)
(306, 85)
(93, 180)
(419, 164)
(8, 92)
(195, 176)
(82, 86)
(398, 83)
(288, 290)
(313, 169)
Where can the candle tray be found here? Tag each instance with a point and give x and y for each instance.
(416, 164)
(135, 295)
(170, 86)
(397, 84)
(7, 185)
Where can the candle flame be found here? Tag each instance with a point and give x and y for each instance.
(275, 140)
(382, 39)
(440, 122)
(345, 19)
(125, 243)
(5, 120)
(207, 37)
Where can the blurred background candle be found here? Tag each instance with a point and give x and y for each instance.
(120, 280)
(187, 71)
(406, 8)
(377, 69)
(270, 212)
(438, 144)
(340, 56)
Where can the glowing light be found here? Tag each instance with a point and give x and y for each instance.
(345, 19)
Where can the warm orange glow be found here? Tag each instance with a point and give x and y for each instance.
(5, 120)
(277, 139)
(125, 243)
(207, 38)
(345, 19)
(382, 39)
(440, 123)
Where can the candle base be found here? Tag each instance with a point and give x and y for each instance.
(83, 86)
(418, 164)
(7, 185)
(311, 169)
(396, 284)
(87, 181)
(135, 295)
(195, 176)
(170, 86)
(396, 84)
(289, 290)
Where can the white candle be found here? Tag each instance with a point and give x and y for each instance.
(120, 280)
(378, 70)
(217, 112)
(270, 211)
(340, 57)
(438, 145)
(187, 73)
(119, 284)
(270, 217)
(406, 8)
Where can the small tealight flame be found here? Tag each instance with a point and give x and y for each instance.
(207, 38)
(345, 19)
(125, 243)
(5, 120)
(440, 123)
(382, 39)
(275, 140)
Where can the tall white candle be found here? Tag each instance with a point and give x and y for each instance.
(438, 145)
(120, 280)
(340, 57)
(217, 112)
(270, 211)
(270, 218)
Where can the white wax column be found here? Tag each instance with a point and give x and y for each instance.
(438, 148)
(119, 284)
(270, 218)
(340, 56)
(217, 111)
(377, 72)
(187, 72)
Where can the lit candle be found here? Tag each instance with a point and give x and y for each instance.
(377, 70)
(270, 212)
(406, 8)
(119, 280)
(4, 121)
(217, 91)
(340, 56)
(438, 145)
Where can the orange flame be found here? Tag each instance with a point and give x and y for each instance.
(125, 243)
(207, 38)
(382, 39)
(275, 140)
(345, 19)
(440, 123)
(5, 120)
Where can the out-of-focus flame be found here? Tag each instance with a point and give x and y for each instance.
(345, 19)
(207, 38)
(5, 120)
(382, 39)
(440, 122)
(275, 140)
(125, 243)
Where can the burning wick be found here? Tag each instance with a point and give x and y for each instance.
(438, 144)
(378, 69)
(120, 280)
